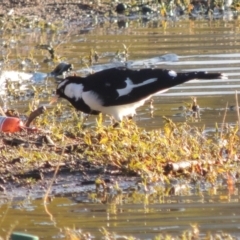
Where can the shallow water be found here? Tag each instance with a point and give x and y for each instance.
(200, 45)
(143, 215)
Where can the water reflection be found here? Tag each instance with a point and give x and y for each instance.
(143, 215)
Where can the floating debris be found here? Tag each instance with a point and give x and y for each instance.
(6, 77)
(61, 69)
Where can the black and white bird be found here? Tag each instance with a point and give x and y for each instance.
(119, 92)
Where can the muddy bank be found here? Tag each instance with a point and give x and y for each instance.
(52, 10)
(79, 11)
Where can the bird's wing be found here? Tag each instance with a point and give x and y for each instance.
(113, 87)
(122, 86)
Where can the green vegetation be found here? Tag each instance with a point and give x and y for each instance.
(177, 149)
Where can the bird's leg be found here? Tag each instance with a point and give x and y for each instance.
(151, 107)
(195, 108)
(85, 118)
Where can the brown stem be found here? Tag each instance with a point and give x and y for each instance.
(35, 114)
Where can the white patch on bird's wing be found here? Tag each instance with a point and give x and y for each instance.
(172, 73)
(130, 86)
(224, 76)
(73, 90)
(62, 84)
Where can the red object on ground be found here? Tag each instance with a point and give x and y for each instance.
(10, 124)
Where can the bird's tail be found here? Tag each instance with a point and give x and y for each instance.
(204, 75)
(173, 78)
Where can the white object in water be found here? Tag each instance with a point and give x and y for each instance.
(16, 76)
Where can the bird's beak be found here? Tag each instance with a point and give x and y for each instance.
(54, 99)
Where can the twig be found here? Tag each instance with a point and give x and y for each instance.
(236, 96)
(35, 114)
(224, 118)
(2, 112)
(45, 197)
